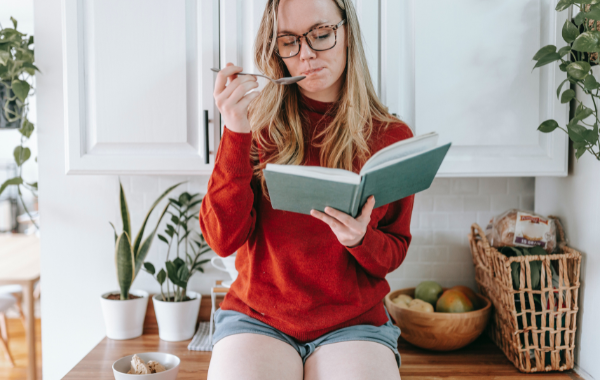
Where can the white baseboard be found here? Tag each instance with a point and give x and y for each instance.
(581, 372)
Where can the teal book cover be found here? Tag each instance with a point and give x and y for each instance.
(300, 192)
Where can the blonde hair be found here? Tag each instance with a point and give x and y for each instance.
(277, 112)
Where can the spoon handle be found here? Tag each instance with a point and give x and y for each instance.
(258, 75)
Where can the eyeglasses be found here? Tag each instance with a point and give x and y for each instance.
(319, 39)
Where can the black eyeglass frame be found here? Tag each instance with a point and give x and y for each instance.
(298, 37)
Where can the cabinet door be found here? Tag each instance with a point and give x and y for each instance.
(464, 69)
(137, 83)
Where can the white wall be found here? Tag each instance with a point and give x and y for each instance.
(575, 200)
(77, 241)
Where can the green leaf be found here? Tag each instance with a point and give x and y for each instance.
(183, 275)
(21, 155)
(21, 89)
(563, 66)
(575, 131)
(579, 152)
(162, 238)
(139, 237)
(175, 220)
(579, 18)
(124, 262)
(27, 128)
(563, 4)
(161, 276)
(178, 262)
(564, 50)
(145, 247)
(590, 83)
(115, 231)
(578, 70)
(548, 58)
(593, 13)
(577, 145)
(548, 126)
(582, 112)
(588, 42)
(14, 22)
(12, 181)
(560, 87)
(172, 274)
(33, 184)
(591, 135)
(149, 268)
(569, 32)
(567, 96)
(124, 211)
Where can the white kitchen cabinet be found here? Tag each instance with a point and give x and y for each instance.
(137, 80)
(137, 84)
(464, 69)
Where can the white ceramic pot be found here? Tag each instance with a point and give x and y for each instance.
(124, 319)
(177, 320)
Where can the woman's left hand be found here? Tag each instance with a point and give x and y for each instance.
(349, 231)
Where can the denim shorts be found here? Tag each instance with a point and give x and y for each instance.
(229, 322)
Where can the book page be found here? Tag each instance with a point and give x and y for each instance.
(318, 172)
(401, 149)
(392, 162)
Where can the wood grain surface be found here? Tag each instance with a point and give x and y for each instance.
(480, 360)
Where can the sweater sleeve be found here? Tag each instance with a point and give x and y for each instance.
(384, 247)
(228, 213)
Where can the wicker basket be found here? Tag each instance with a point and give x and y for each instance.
(533, 340)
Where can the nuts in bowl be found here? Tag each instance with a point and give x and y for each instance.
(147, 366)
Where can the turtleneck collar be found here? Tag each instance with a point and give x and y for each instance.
(317, 106)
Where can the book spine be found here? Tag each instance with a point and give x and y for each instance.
(357, 197)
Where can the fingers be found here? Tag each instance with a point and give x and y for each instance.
(345, 219)
(365, 214)
(241, 89)
(245, 101)
(228, 72)
(332, 222)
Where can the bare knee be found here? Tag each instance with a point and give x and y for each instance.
(253, 356)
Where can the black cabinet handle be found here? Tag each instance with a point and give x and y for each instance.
(206, 137)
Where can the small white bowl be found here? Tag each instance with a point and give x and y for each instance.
(171, 363)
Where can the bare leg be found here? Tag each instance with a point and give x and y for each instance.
(353, 360)
(254, 356)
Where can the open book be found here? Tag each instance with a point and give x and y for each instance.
(396, 171)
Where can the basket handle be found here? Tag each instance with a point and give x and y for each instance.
(481, 233)
(561, 232)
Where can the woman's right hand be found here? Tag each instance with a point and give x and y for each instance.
(230, 98)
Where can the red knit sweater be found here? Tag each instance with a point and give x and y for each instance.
(294, 274)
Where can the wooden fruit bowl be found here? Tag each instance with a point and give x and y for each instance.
(438, 331)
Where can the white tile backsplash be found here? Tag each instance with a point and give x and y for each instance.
(442, 218)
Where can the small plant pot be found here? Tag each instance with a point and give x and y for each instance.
(177, 320)
(124, 319)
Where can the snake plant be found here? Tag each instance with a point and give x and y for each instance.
(130, 254)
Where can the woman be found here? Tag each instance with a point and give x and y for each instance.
(308, 300)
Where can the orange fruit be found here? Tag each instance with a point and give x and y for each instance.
(453, 301)
(470, 295)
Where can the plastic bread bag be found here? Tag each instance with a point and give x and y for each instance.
(520, 228)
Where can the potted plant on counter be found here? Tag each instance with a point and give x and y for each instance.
(124, 310)
(177, 308)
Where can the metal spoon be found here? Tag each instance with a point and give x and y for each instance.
(284, 81)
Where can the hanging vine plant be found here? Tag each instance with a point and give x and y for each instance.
(17, 71)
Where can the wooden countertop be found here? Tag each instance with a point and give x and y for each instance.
(480, 360)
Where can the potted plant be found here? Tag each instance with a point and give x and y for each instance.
(580, 62)
(177, 308)
(124, 310)
(16, 74)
